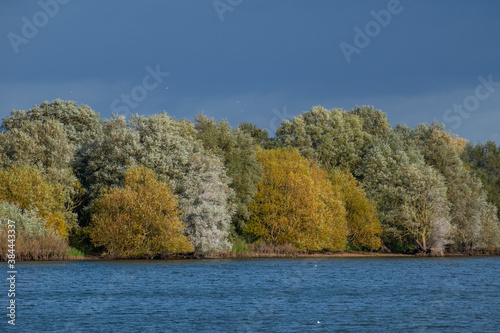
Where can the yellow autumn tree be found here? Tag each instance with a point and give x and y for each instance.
(140, 219)
(296, 204)
(28, 189)
(363, 223)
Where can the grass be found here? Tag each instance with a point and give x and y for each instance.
(74, 252)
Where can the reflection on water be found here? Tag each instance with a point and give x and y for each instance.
(282, 295)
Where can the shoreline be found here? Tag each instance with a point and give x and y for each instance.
(270, 256)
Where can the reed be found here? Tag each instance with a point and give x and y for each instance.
(47, 247)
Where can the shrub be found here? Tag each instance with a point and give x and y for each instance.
(297, 204)
(29, 190)
(33, 240)
(140, 219)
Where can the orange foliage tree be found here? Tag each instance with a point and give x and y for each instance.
(362, 221)
(140, 219)
(296, 204)
(26, 188)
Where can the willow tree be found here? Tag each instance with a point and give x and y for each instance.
(297, 204)
(33, 240)
(104, 161)
(80, 123)
(410, 196)
(259, 135)
(333, 137)
(171, 149)
(471, 213)
(238, 151)
(374, 121)
(484, 162)
(140, 219)
(362, 221)
(28, 189)
(43, 145)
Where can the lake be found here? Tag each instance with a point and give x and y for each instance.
(456, 294)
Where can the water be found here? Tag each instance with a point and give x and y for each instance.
(275, 295)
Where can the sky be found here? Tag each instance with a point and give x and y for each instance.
(258, 61)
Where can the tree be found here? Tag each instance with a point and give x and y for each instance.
(410, 196)
(297, 204)
(374, 121)
(33, 240)
(26, 188)
(334, 138)
(238, 151)
(80, 122)
(260, 136)
(468, 201)
(42, 144)
(103, 162)
(169, 148)
(28, 221)
(140, 219)
(206, 204)
(362, 221)
(484, 162)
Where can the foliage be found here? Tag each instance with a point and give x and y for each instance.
(238, 151)
(484, 162)
(80, 123)
(374, 121)
(42, 144)
(102, 163)
(297, 204)
(206, 204)
(29, 190)
(27, 221)
(471, 214)
(140, 219)
(410, 195)
(170, 148)
(417, 189)
(259, 135)
(33, 240)
(334, 138)
(362, 221)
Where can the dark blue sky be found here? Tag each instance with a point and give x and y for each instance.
(258, 60)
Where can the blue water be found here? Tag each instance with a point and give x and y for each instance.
(275, 295)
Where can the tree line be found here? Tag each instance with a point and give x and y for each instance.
(328, 180)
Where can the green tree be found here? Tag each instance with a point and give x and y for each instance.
(484, 162)
(42, 143)
(80, 122)
(171, 149)
(260, 136)
(333, 137)
(140, 219)
(374, 121)
(470, 210)
(410, 196)
(238, 151)
(103, 162)
(28, 221)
